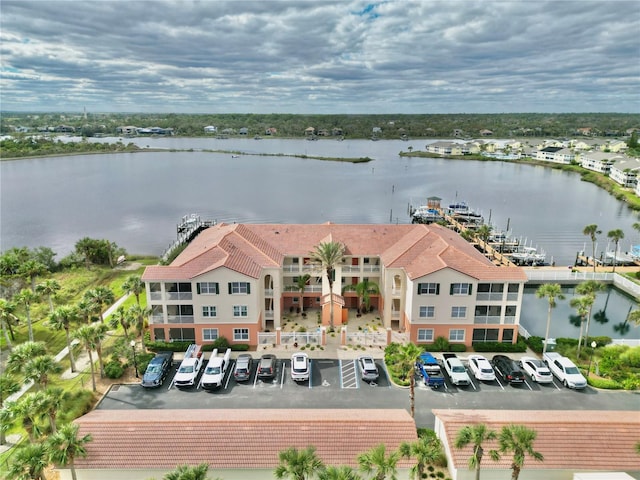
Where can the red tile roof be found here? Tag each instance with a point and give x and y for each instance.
(236, 439)
(574, 440)
(248, 248)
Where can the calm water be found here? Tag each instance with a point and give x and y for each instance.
(136, 200)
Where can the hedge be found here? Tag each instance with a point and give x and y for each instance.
(500, 347)
(220, 343)
(604, 383)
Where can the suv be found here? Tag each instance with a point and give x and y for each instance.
(368, 368)
(242, 371)
(267, 367)
(300, 367)
(157, 370)
(508, 368)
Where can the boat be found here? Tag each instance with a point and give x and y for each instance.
(619, 258)
(527, 256)
(426, 214)
(235, 156)
(461, 212)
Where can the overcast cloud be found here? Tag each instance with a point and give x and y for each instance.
(450, 56)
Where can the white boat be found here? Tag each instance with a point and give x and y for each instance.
(619, 258)
(463, 214)
(528, 256)
(425, 214)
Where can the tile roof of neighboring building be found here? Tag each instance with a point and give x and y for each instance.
(248, 248)
(237, 439)
(576, 439)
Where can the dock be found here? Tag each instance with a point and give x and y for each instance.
(188, 229)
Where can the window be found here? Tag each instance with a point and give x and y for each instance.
(428, 289)
(458, 312)
(295, 260)
(295, 299)
(425, 334)
(239, 288)
(456, 335)
(182, 334)
(427, 311)
(240, 311)
(507, 335)
(209, 311)
(240, 334)
(209, 334)
(208, 288)
(460, 289)
(485, 334)
(158, 334)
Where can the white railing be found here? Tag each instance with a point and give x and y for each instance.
(632, 342)
(155, 295)
(485, 296)
(301, 338)
(371, 268)
(157, 319)
(350, 268)
(313, 288)
(618, 280)
(523, 331)
(268, 314)
(266, 338)
(268, 292)
(487, 319)
(367, 338)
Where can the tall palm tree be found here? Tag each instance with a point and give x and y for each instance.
(403, 361)
(121, 318)
(8, 386)
(484, 232)
(134, 285)
(100, 333)
(7, 318)
(28, 409)
(7, 420)
(615, 235)
(301, 284)
(518, 440)
(592, 231)
(581, 304)
(364, 290)
(589, 288)
(185, 472)
(86, 336)
(51, 402)
(476, 435)
(343, 472)
(99, 297)
(39, 369)
(85, 309)
(48, 288)
(27, 298)
(298, 464)
(427, 451)
(326, 256)
(550, 291)
(29, 462)
(66, 445)
(22, 353)
(61, 319)
(377, 463)
(32, 269)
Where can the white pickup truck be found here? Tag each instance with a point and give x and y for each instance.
(564, 370)
(216, 369)
(454, 367)
(189, 368)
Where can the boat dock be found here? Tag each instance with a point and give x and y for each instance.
(188, 228)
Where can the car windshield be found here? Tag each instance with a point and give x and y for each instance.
(187, 369)
(153, 369)
(241, 370)
(213, 370)
(458, 369)
(572, 371)
(486, 370)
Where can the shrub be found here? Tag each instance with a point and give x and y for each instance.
(520, 346)
(604, 383)
(457, 347)
(535, 343)
(632, 382)
(441, 344)
(113, 369)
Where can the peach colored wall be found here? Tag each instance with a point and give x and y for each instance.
(443, 331)
(224, 330)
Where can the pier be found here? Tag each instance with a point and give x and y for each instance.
(188, 228)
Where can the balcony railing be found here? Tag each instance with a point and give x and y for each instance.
(268, 314)
(313, 288)
(268, 292)
(491, 319)
(512, 297)
(155, 296)
(291, 268)
(157, 319)
(179, 296)
(489, 297)
(180, 319)
(510, 319)
(395, 314)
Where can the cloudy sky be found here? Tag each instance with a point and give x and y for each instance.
(270, 56)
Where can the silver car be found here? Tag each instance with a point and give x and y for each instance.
(242, 370)
(368, 368)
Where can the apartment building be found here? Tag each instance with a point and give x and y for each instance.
(235, 280)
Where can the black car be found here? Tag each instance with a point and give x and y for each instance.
(508, 369)
(267, 367)
(157, 370)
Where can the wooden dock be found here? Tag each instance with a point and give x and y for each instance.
(188, 228)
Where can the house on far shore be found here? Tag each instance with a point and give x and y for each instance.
(486, 133)
(210, 129)
(572, 442)
(625, 171)
(309, 131)
(270, 131)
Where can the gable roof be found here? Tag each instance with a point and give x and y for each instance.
(249, 248)
(237, 438)
(567, 439)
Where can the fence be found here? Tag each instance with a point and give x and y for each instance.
(301, 338)
(568, 276)
(367, 338)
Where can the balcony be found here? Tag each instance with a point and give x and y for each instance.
(180, 319)
(268, 292)
(155, 319)
(268, 314)
(489, 297)
(155, 296)
(291, 268)
(313, 289)
(179, 295)
(395, 314)
(487, 319)
(510, 320)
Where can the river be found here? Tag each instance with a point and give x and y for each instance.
(136, 199)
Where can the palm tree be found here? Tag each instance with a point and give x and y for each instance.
(615, 235)
(589, 288)
(85, 309)
(51, 401)
(7, 318)
(364, 290)
(66, 445)
(343, 472)
(21, 354)
(120, 317)
(518, 439)
(375, 462)
(61, 319)
(28, 409)
(298, 464)
(301, 284)
(582, 305)
(32, 269)
(86, 336)
(327, 255)
(48, 288)
(484, 232)
(29, 462)
(185, 472)
(592, 231)
(427, 450)
(476, 435)
(38, 369)
(8, 386)
(27, 297)
(134, 285)
(7, 419)
(100, 332)
(551, 291)
(403, 361)
(99, 297)
(634, 317)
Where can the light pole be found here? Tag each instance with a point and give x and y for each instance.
(135, 361)
(593, 347)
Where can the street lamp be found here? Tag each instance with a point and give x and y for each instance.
(135, 361)
(593, 347)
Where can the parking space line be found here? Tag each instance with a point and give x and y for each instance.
(230, 370)
(284, 370)
(527, 384)
(499, 383)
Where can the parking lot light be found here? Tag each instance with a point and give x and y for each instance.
(135, 361)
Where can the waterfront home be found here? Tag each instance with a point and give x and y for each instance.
(486, 133)
(586, 144)
(598, 161)
(271, 131)
(470, 148)
(445, 148)
(235, 281)
(210, 129)
(309, 131)
(614, 146)
(127, 130)
(555, 155)
(624, 171)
